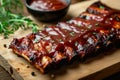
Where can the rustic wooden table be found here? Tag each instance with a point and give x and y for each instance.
(5, 68)
(8, 73)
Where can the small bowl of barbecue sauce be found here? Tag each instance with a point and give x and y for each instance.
(48, 10)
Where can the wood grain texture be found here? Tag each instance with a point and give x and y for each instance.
(95, 68)
(4, 75)
(7, 72)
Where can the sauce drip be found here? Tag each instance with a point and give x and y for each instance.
(47, 5)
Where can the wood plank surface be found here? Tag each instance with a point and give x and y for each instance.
(95, 68)
(4, 74)
(7, 72)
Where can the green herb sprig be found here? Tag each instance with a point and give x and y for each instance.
(11, 21)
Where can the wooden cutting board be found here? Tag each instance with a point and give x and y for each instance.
(95, 69)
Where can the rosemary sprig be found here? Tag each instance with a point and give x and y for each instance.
(11, 21)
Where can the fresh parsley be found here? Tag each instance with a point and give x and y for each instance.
(10, 20)
(102, 7)
(72, 33)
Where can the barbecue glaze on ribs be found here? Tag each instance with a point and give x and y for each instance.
(97, 27)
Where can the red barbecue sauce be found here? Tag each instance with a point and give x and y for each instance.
(48, 5)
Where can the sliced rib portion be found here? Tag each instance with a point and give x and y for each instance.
(96, 28)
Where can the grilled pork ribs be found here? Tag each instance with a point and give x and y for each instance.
(97, 27)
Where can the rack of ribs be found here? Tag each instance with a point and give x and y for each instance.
(96, 28)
